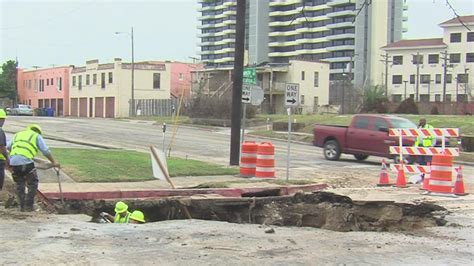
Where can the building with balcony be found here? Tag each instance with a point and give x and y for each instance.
(418, 66)
(45, 88)
(278, 31)
(104, 90)
(313, 78)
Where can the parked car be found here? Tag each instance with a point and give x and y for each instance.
(366, 135)
(20, 109)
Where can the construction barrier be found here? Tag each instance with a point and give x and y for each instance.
(265, 160)
(424, 132)
(441, 174)
(424, 150)
(248, 159)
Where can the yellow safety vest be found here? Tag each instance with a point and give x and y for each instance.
(122, 220)
(427, 141)
(24, 143)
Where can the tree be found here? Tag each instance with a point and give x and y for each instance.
(8, 80)
(374, 100)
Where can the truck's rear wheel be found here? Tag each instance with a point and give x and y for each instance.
(332, 151)
(361, 157)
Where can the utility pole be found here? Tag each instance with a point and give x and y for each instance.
(133, 76)
(405, 95)
(416, 60)
(386, 61)
(237, 83)
(445, 72)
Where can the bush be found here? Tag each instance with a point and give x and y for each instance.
(408, 106)
(204, 106)
(374, 100)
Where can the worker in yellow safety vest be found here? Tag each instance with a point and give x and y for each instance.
(23, 148)
(4, 160)
(428, 141)
(122, 215)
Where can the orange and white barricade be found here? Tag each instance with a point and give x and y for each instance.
(441, 166)
(265, 160)
(248, 159)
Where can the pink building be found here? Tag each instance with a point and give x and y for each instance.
(45, 88)
(181, 78)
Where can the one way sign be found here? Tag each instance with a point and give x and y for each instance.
(292, 95)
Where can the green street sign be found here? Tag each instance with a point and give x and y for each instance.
(250, 76)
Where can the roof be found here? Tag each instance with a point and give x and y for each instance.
(416, 43)
(455, 21)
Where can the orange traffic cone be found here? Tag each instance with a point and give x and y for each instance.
(426, 179)
(459, 185)
(384, 179)
(401, 179)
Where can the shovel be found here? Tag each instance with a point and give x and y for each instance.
(60, 187)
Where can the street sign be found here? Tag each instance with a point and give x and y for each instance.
(292, 95)
(250, 76)
(246, 93)
(256, 95)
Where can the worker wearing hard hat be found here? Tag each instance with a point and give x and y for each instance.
(137, 217)
(23, 148)
(4, 162)
(122, 215)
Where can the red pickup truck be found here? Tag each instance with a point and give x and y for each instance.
(366, 135)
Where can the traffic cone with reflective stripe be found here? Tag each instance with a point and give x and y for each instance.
(426, 179)
(401, 179)
(459, 185)
(384, 179)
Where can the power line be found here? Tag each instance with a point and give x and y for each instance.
(366, 3)
(457, 15)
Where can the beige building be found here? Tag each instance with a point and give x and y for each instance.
(417, 66)
(313, 78)
(104, 90)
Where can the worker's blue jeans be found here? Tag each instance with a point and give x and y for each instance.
(25, 175)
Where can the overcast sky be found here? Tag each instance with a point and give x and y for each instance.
(46, 33)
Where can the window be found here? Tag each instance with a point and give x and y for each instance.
(424, 98)
(80, 82)
(52, 83)
(412, 79)
(316, 79)
(110, 77)
(74, 81)
(397, 79)
(59, 83)
(463, 78)
(181, 76)
(396, 98)
(398, 60)
(469, 57)
(454, 58)
(417, 59)
(302, 99)
(41, 85)
(425, 79)
(455, 37)
(36, 85)
(449, 78)
(462, 98)
(102, 80)
(433, 59)
(88, 79)
(94, 79)
(362, 122)
(302, 75)
(381, 123)
(412, 96)
(448, 97)
(470, 36)
(47, 82)
(438, 78)
(156, 80)
(438, 98)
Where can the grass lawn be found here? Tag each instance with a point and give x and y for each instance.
(90, 165)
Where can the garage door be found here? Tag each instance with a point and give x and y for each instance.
(60, 107)
(110, 107)
(74, 107)
(99, 107)
(83, 107)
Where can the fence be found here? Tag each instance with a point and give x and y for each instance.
(155, 107)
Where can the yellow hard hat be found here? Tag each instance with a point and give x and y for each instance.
(138, 216)
(36, 128)
(121, 207)
(3, 114)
